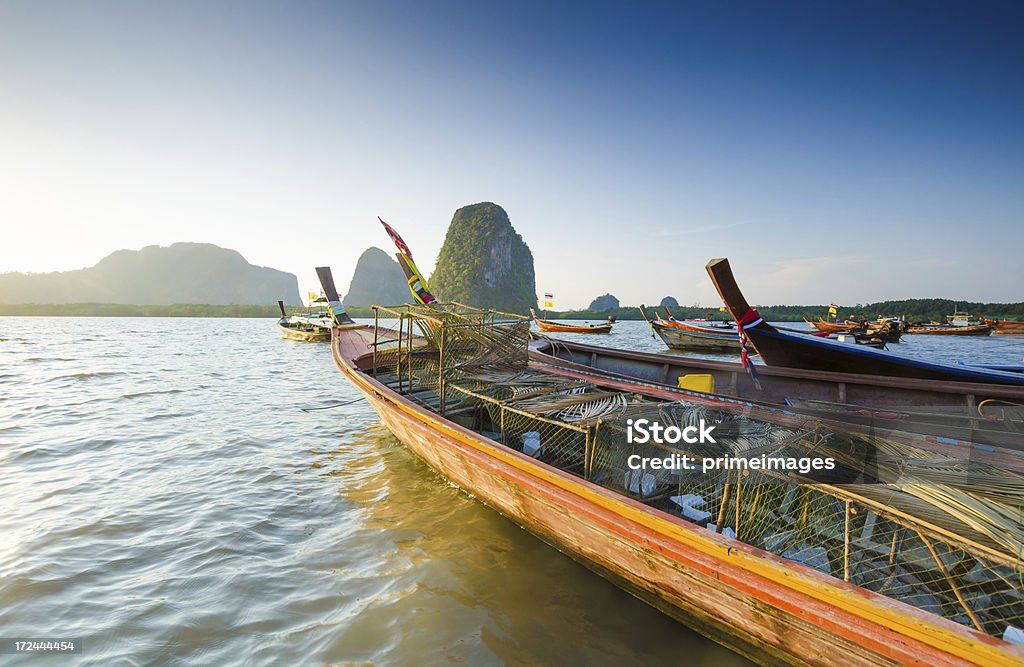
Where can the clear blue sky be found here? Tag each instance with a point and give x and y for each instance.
(850, 152)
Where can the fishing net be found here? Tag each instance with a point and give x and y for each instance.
(942, 534)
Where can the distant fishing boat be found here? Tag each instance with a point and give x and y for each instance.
(685, 336)
(1005, 327)
(311, 328)
(859, 339)
(888, 329)
(547, 326)
(834, 327)
(960, 318)
(699, 321)
(950, 330)
(781, 348)
(960, 323)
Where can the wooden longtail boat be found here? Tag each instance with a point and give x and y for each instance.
(308, 328)
(715, 325)
(834, 327)
(441, 392)
(1008, 328)
(682, 336)
(781, 348)
(554, 327)
(969, 412)
(1004, 327)
(889, 330)
(950, 330)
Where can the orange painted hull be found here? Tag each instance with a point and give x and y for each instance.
(833, 327)
(551, 327)
(1008, 328)
(765, 607)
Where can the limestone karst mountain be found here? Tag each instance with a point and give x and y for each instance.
(378, 279)
(484, 262)
(180, 273)
(604, 302)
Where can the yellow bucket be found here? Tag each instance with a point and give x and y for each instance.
(702, 382)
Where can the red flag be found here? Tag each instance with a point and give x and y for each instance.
(399, 243)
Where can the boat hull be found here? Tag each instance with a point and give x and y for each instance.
(687, 339)
(551, 327)
(544, 326)
(833, 327)
(983, 330)
(318, 335)
(1007, 328)
(771, 610)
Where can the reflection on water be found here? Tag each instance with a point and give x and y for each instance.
(164, 498)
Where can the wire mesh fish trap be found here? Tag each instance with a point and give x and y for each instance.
(419, 349)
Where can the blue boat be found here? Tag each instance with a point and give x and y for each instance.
(793, 350)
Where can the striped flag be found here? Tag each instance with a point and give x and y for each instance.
(399, 243)
(833, 309)
(549, 300)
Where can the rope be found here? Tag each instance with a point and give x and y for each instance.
(336, 405)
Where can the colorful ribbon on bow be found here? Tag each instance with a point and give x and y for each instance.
(749, 320)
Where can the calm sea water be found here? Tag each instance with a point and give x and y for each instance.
(164, 499)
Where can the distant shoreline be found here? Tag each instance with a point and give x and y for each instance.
(914, 310)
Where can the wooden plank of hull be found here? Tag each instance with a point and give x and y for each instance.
(683, 339)
(769, 609)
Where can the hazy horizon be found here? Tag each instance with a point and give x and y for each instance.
(342, 282)
(851, 152)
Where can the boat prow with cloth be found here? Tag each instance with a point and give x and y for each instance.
(782, 348)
